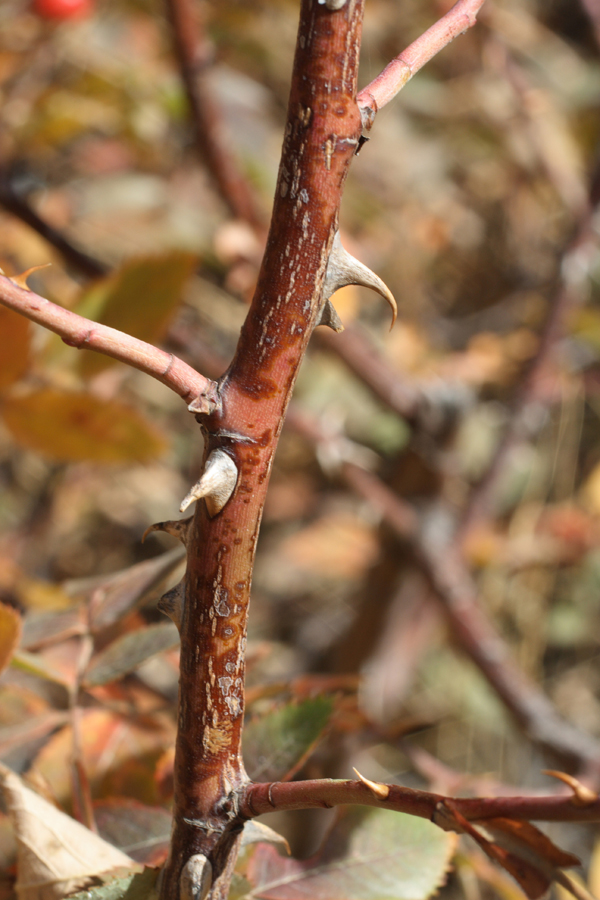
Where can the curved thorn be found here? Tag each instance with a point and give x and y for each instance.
(381, 791)
(175, 527)
(582, 795)
(216, 485)
(343, 269)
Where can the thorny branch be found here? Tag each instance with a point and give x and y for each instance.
(444, 568)
(259, 799)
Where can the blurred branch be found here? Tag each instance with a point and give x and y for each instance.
(592, 8)
(396, 74)
(18, 206)
(569, 292)
(76, 331)
(432, 407)
(193, 53)
(432, 539)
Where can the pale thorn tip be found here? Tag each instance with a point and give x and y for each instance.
(21, 280)
(344, 269)
(582, 795)
(216, 484)
(381, 791)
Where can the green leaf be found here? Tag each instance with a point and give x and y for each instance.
(129, 651)
(276, 744)
(140, 299)
(15, 337)
(389, 856)
(140, 886)
(71, 427)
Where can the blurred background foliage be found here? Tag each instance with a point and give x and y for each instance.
(464, 201)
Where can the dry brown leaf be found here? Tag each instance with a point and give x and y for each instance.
(55, 855)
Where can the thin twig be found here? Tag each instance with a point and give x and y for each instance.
(193, 55)
(76, 331)
(432, 542)
(396, 74)
(18, 206)
(569, 292)
(592, 8)
(432, 407)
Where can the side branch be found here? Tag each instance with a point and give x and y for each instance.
(258, 799)
(76, 331)
(396, 74)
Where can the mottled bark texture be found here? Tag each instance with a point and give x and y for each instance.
(321, 136)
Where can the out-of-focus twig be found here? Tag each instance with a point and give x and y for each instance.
(592, 8)
(432, 407)
(396, 74)
(16, 204)
(193, 54)
(570, 291)
(431, 539)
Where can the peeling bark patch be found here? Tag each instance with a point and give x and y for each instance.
(215, 740)
(221, 599)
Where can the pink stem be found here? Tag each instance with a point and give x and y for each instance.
(76, 331)
(401, 69)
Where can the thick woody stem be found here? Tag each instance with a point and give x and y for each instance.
(259, 799)
(321, 135)
(76, 331)
(396, 74)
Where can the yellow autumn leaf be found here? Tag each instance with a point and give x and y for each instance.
(71, 427)
(140, 299)
(10, 633)
(14, 340)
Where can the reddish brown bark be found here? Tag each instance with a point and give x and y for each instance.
(259, 799)
(321, 136)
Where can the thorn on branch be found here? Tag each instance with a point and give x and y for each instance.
(328, 316)
(379, 790)
(216, 485)
(21, 280)
(344, 269)
(171, 604)
(175, 527)
(582, 795)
